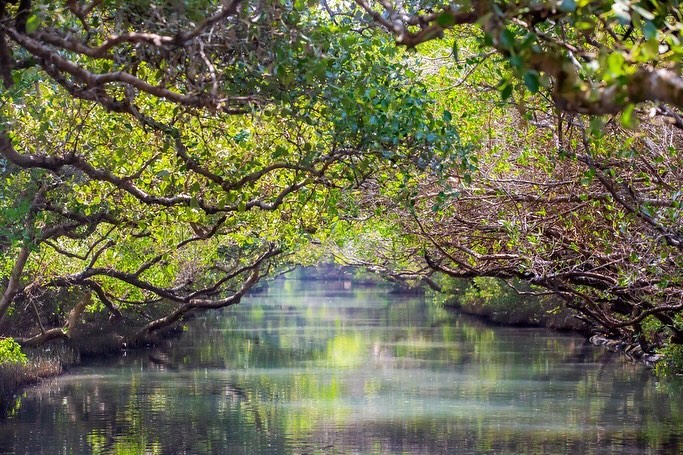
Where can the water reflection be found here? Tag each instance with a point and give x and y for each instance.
(315, 368)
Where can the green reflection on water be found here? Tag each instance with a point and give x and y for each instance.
(317, 368)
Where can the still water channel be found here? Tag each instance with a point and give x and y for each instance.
(318, 367)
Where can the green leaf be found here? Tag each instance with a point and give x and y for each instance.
(445, 20)
(584, 24)
(568, 5)
(628, 118)
(596, 125)
(10, 352)
(516, 61)
(279, 152)
(620, 9)
(649, 31)
(645, 14)
(447, 116)
(531, 81)
(506, 91)
(455, 50)
(32, 24)
(651, 48)
(507, 38)
(615, 64)
(648, 210)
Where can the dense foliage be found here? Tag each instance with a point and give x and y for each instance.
(10, 352)
(161, 157)
(577, 186)
(165, 170)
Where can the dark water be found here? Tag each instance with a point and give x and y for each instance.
(311, 367)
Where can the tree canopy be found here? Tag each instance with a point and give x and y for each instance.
(164, 169)
(595, 57)
(161, 157)
(578, 179)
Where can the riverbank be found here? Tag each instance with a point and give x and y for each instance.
(562, 321)
(632, 351)
(40, 364)
(54, 359)
(497, 303)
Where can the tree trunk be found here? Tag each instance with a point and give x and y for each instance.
(14, 281)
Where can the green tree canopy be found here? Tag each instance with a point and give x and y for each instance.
(163, 156)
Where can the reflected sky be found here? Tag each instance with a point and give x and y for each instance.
(320, 367)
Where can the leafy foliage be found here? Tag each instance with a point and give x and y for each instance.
(161, 157)
(585, 206)
(594, 57)
(10, 352)
(166, 158)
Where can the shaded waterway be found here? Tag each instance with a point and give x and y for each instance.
(319, 367)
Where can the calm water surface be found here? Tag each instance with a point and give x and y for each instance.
(314, 367)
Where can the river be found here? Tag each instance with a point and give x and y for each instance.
(311, 367)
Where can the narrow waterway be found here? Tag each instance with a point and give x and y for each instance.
(320, 367)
